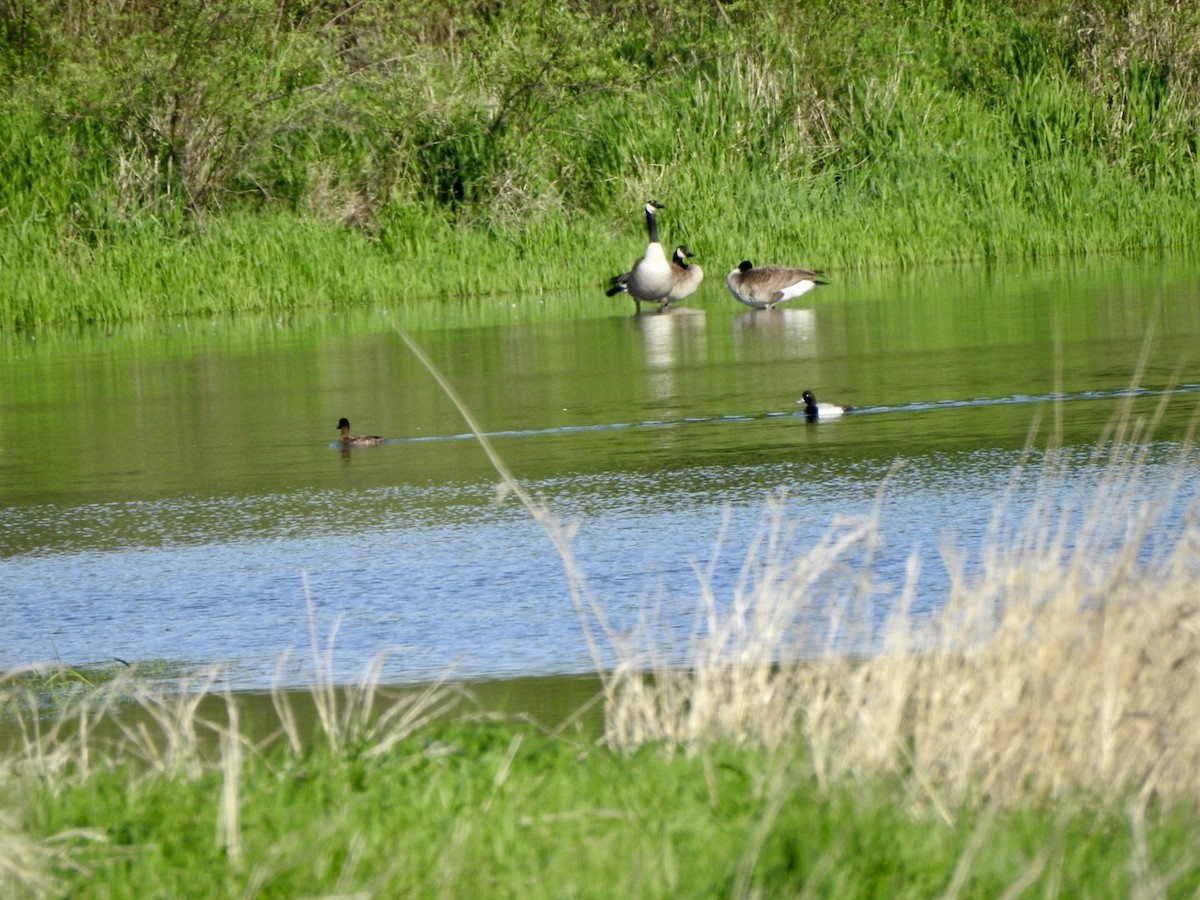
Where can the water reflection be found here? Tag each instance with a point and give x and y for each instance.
(670, 338)
(776, 333)
(664, 334)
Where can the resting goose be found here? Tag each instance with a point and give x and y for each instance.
(650, 280)
(764, 287)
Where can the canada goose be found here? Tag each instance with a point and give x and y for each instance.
(814, 410)
(650, 279)
(763, 287)
(366, 440)
(685, 278)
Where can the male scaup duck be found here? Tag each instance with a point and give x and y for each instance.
(650, 280)
(814, 410)
(765, 287)
(366, 440)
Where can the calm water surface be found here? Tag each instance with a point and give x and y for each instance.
(172, 491)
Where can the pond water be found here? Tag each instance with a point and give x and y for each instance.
(173, 491)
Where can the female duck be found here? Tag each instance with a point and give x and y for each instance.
(366, 440)
(814, 410)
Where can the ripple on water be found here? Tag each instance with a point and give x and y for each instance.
(449, 579)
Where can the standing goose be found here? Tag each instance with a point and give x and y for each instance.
(685, 278)
(764, 287)
(814, 410)
(366, 440)
(650, 280)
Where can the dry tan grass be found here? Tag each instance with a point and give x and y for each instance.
(357, 716)
(1066, 658)
(27, 866)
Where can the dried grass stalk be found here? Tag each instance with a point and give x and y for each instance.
(1066, 658)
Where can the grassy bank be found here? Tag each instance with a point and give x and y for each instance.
(256, 155)
(506, 810)
(144, 791)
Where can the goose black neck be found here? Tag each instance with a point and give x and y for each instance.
(651, 226)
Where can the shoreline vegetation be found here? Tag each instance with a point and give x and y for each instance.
(201, 159)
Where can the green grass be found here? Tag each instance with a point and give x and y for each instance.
(243, 159)
(507, 809)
